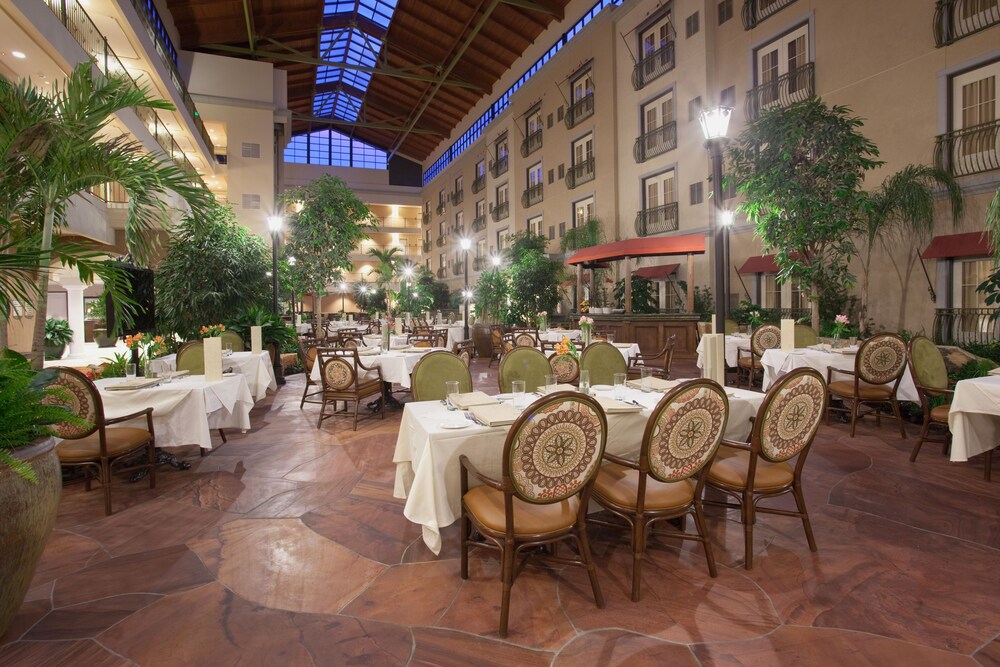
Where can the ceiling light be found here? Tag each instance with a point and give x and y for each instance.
(18, 54)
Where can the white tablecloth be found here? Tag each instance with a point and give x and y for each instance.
(974, 418)
(303, 328)
(257, 368)
(734, 342)
(776, 363)
(396, 366)
(556, 335)
(426, 457)
(186, 410)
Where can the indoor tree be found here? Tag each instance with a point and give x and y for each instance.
(384, 271)
(491, 294)
(533, 276)
(991, 286)
(800, 170)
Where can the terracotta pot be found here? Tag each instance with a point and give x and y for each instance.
(29, 512)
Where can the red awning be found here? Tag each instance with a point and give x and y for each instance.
(640, 247)
(971, 244)
(759, 264)
(658, 272)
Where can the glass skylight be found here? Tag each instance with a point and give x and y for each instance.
(379, 11)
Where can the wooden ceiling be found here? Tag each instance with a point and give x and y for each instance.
(438, 58)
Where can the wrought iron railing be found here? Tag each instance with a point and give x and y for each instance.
(500, 211)
(441, 241)
(427, 246)
(755, 11)
(440, 207)
(653, 65)
(789, 88)
(971, 150)
(955, 19)
(425, 217)
(582, 108)
(581, 172)
(966, 325)
(655, 142)
(499, 166)
(479, 223)
(441, 273)
(532, 195)
(656, 220)
(531, 143)
(478, 184)
(456, 197)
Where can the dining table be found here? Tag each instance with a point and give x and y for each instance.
(255, 366)
(734, 344)
(428, 447)
(777, 363)
(556, 335)
(186, 409)
(974, 417)
(396, 365)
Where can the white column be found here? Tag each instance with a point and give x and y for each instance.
(74, 313)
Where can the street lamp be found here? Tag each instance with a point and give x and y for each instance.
(714, 125)
(496, 261)
(343, 299)
(466, 246)
(274, 223)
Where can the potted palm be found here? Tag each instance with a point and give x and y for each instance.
(57, 336)
(30, 479)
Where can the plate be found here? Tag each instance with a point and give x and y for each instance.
(455, 423)
(602, 387)
(505, 397)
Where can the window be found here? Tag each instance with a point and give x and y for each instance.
(583, 149)
(480, 208)
(535, 225)
(694, 108)
(500, 148)
(459, 184)
(441, 261)
(659, 190)
(440, 199)
(552, 232)
(658, 113)
(725, 11)
(562, 229)
(481, 247)
(583, 210)
(772, 290)
(442, 230)
(502, 194)
(974, 97)
(728, 97)
(429, 264)
(533, 121)
(481, 169)
(782, 57)
(970, 274)
(427, 236)
(459, 222)
(691, 25)
(503, 238)
(535, 175)
(655, 37)
(581, 87)
(697, 193)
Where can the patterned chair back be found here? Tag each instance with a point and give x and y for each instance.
(234, 339)
(790, 414)
(79, 395)
(523, 363)
(525, 339)
(685, 430)
(496, 339)
(765, 337)
(565, 367)
(881, 359)
(555, 447)
(338, 369)
(307, 352)
(603, 360)
(191, 357)
(464, 349)
(350, 343)
(433, 370)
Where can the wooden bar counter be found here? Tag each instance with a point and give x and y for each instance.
(649, 331)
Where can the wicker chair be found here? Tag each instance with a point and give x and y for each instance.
(603, 360)
(496, 344)
(346, 379)
(878, 369)
(433, 370)
(659, 362)
(765, 337)
(534, 505)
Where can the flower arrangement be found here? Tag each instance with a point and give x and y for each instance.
(157, 347)
(212, 330)
(840, 323)
(135, 342)
(543, 317)
(755, 318)
(566, 346)
(584, 306)
(586, 323)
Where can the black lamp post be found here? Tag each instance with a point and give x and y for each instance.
(714, 125)
(343, 299)
(274, 223)
(466, 246)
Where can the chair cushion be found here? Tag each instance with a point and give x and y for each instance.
(868, 392)
(731, 466)
(940, 413)
(119, 440)
(744, 362)
(486, 506)
(620, 485)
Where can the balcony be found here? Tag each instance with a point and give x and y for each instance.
(653, 65)
(656, 220)
(960, 326)
(425, 217)
(441, 273)
(972, 150)
(478, 223)
(441, 241)
(427, 246)
(955, 19)
(498, 167)
(457, 230)
(500, 211)
(655, 142)
(478, 184)
(787, 89)
(456, 197)
(457, 268)
(582, 108)
(531, 143)
(532, 195)
(580, 172)
(755, 11)
(440, 207)
(480, 263)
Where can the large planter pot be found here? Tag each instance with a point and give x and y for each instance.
(102, 338)
(29, 512)
(53, 351)
(481, 340)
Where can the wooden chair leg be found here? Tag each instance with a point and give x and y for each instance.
(466, 535)
(151, 461)
(854, 414)
(589, 562)
(699, 522)
(638, 547)
(305, 392)
(924, 429)
(748, 521)
(106, 483)
(899, 417)
(800, 504)
(222, 434)
(507, 577)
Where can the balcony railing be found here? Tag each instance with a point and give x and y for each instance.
(972, 150)
(656, 220)
(425, 217)
(955, 19)
(479, 263)
(581, 172)
(755, 11)
(83, 30)
(457, 268)
(582, 108)
(427, 246)
(441, 241)
(499, 166)
(456, 197)
(440, 207)
(441, 273)
(655, 142)
(457, 230)
(479, 223)
(500, 211)
(531, 143)
(478, 184)
(789, 88)
(653, 65)
(532, 195)
(965, 325)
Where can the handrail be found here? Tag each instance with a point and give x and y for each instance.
(531, 143)
(655, 142)
(582, 108)
(479, 223)
(653, 65)
(478, 183)
(581, 172)
(755, 11)
(532, 195)
(656, 220)
(965, 325)
(787, 89)
(500, 211)
(499, 166)
(971, 150)
(955, 19)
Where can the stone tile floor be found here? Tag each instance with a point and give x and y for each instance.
(285, 546)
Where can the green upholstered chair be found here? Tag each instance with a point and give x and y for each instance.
(603, 360)
(234, 339)
(524, 363)
(433, 370)
(930, 376)
(731, 327)
(191, 357)
(805, 336)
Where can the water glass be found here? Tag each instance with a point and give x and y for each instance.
(517, 387)
(619, 392)
(166, 377)
(229, 349)
(646, 377)
(130, 371)
(585, 382)
(451, 392)
(611, 336)
(550, 384)
(853, 340)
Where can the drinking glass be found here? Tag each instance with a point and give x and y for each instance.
(451, 392)
(166, 376)
(646, 376)
(619, 392)
(130, 371)
(611, 336)
(550, 384)
(229, 349)
(585, 382)
(517, 387)
(853, 340)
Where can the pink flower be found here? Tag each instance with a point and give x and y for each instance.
(841, 319)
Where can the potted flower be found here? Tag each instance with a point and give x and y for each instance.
(840, 324)
(30, 476)
(136, 344)
(212, 330)
(543, 320)
(57, 336)
(587, 328)
(754, 320)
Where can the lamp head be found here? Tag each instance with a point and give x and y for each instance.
(408, 271)
(343, 287)
(291, 260)
(466, 244)
(274, 223)
(715, 122)
(726, 218)
(496, 260)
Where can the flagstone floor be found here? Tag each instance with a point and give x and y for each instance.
(286, 547)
